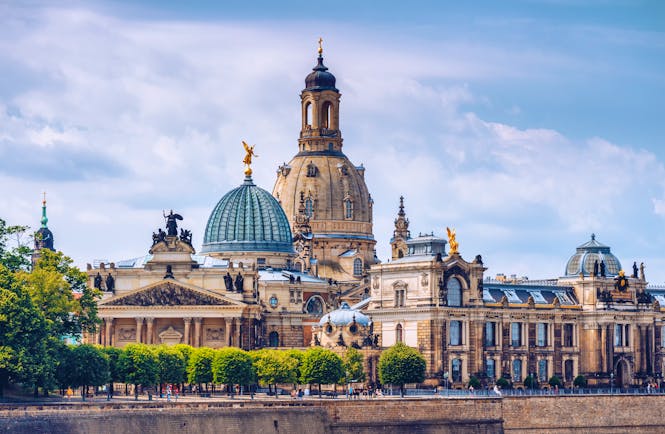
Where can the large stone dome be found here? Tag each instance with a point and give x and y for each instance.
(587, 254)
(247, 219)
(345, 316)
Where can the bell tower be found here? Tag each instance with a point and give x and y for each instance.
(320, 111)
(401, 234)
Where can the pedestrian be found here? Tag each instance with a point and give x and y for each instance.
(168, 393)
(496, 390)
(300, 394)
(70, 392)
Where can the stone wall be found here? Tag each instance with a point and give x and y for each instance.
(547, 414)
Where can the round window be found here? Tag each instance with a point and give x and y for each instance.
(353, 329)
(329, 329)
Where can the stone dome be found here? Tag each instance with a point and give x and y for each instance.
(587, 254)
(320, 78)
(345, 316)
(247, 219)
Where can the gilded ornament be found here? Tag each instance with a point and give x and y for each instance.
(451, 240)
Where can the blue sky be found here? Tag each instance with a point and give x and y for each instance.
(526, 125)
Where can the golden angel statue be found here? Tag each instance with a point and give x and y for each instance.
(248, 157)
(451, 240)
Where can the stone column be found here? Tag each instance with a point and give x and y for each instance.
(108, 323)
(227, 331)
(188, 322)
(236, 333)
(139, 329)
(197, 331)
(149, 321)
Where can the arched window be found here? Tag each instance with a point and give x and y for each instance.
(309, 207)
(400, 254)
(348, 209)
(312, 170)
(517, 370)
(314, 305)
(326, 114)
(398, 333)
(457, 370)
(308, 114)
(542, 370)
(357, 267)
(273, 339)
(454, 292)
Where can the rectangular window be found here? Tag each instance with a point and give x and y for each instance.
(455, 332)
(517, 370)
(568, 335)
(618, 335)
(490, 332)
(516, 334)
(457, 370)
(541, 338)
(568, 370)
(662, 337)
(626, 335)
(399, 297)
(542, 370)
(489, 368)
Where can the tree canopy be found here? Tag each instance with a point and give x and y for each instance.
(321, 366)
(233, 366)
(401, 364)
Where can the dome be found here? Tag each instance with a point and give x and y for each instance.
(320, 78)
(345, 316)
(247, 219)
(587, 254)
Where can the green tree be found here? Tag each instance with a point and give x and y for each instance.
(580, 381)
(321, 366)
(23, 335)
(141, 366)
(504, 383)
(171, 365)
(233, 366)
(276, 367)
(353, 365)
(90, 367)
(16, 257)
(116, 373)
(555, 381)
(531, 382)
(474, 382)
(401, 364)
(199, 369)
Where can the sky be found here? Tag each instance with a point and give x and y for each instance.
(525, 125)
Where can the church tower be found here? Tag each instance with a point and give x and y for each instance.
(401, 234)
(43, 237)
(332, 189)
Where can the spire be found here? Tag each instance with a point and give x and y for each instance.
(401, 212)
(401, 233)
(44, 218)
(320, 47)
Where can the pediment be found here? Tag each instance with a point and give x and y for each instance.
(170, 293)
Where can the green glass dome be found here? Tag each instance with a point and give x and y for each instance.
(247, 219)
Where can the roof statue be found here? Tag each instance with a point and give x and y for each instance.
(320, 46)
(171, 223)
(248, 158)
(451, 240)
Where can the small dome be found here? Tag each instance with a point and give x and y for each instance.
(247, 219)
(345, 316)
(320, 78)
(587, 254)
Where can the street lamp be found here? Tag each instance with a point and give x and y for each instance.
(611, 383)
(445, 379)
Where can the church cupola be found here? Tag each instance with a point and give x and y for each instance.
(44, 236)
(320, 111)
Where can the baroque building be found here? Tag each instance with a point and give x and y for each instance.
(241, 292)
(323, 194)
(594, 321)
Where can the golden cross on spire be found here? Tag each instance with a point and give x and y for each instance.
(320, 46)
(44, 200)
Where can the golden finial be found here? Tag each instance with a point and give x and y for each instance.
(320, 46)
(44, 200)
(451, 240)
(248, 158)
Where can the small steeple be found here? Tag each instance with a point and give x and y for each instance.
(401, 233)
(44, 218)
(43, 237)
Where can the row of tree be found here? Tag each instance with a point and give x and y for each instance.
(39, 306)
(149, 365)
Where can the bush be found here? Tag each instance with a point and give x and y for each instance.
(555, 381)
(580, 381)
(531, 382)
(504, 383)
(474, 382)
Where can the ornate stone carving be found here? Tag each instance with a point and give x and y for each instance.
(170, 336)
(214, 334)
(127, 334)
(167, 294)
